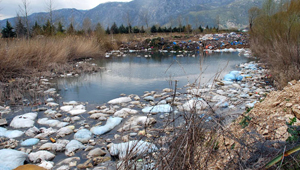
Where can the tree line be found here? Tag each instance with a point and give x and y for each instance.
(48, 29)
(114, 29)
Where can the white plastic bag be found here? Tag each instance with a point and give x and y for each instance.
(111, 123)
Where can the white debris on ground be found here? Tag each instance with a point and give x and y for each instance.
(66, 128)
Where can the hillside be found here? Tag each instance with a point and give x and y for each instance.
(226, 13)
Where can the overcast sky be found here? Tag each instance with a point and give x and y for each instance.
(9, 8)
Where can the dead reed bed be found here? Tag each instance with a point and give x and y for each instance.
(22, 58)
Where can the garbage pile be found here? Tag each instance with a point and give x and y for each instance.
(69, 129)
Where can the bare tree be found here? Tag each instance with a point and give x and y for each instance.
(253, 13)
(218, 22)
(145, 17)
(187, 24)
(128, 20)
(50, 9)
(171, 23)
(86, 25)
(25, 11)
(19, 27)
(179, 20)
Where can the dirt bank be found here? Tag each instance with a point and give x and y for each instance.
(265, 134)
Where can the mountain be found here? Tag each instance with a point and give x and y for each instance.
(226, 13)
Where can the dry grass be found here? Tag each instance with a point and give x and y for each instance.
(21, 58)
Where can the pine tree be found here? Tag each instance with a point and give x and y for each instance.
(136, 29)
(99, 30)
(201, 29)
(60, 28)
(20, 29)
(153, 29)
(159, 29)
(122, 29)
(48, 28)
(7, 32)
(114, 28)
(107, 31)
(70, 30)
(36, 29)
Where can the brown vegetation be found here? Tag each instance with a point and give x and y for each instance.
(21, 57)
(275, 38)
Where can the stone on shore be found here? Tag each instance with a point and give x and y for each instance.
(40, 156)
(120, 100)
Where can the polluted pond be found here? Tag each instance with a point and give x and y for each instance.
(125, 131)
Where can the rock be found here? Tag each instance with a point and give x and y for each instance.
(30, 142)
(50, 112)
(149, 98)
(136, 148)
(83, 135)
(96, 152)
(70, 103)
(125, 138)
(3, 122)
(72, 146)
(38, 156)
(124, 112)
(46, 164)
(23, 121)
(167, 90)
(296, 111)
(68, 161)
(111, 123)
(52, 104)
(276, 103)
(30, 167)
(99, 160)
(48, 122)
(120, 100)
(158, 109)
(4, 110)
(11, 159)
(59, 147)
(289, 105)
(85, 166)
(137, 98)
(98, 115)
(137, 120)
(65, 131)
(50, 91)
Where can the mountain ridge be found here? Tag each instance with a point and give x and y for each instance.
(225, 13)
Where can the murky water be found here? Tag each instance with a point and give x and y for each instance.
(135, 74)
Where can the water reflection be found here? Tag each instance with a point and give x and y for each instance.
(135, 74)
